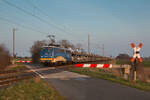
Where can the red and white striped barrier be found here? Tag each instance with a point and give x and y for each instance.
(136, 52)
(22, 61)
(94, 65)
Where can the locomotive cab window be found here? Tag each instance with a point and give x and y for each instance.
(42, 49)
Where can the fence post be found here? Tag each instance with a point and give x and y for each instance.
(126, 71)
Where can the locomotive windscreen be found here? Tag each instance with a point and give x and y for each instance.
(46, 52)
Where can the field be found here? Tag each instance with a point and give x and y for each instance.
(145, 63)
(32, 89)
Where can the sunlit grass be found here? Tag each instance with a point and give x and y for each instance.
(18, 67)
(33, 89)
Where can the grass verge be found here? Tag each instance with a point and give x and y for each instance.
(32, 89)
(18, 67)
(107, 75)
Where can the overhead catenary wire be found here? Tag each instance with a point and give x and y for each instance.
(36, 7)
(23, 26)
(35, 16)
(44, 13)
(23, 10)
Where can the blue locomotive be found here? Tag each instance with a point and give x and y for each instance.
(52, 54)
(58, 55)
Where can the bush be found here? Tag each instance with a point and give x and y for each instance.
(123, 56)
(35, 51)
(4, 57)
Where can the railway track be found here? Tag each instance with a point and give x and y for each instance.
(13, 76)
(62, 66)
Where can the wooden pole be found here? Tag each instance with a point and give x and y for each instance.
(14, 42)
(13, 50)
(88, 43)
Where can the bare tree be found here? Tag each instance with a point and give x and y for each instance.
(79, 46)
(4, 57)
(35, 50)
(66, 44)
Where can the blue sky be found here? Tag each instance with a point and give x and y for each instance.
(114, 23)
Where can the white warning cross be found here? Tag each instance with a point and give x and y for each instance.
(136, 52)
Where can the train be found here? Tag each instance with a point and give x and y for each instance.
(55, 55)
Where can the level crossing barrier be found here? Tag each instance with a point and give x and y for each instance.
(126, 68)
(23, 61)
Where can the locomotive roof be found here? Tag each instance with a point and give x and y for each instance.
(55, 47)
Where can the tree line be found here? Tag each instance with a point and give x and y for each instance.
(5, 57)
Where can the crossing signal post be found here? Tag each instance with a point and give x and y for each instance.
(135, 58)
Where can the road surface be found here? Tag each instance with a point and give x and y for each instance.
(81, 87)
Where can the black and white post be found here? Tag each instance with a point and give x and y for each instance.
(134, 59)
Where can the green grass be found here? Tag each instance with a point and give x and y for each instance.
(18, 67)
(145, 63)
(122, 62)
(107, 75)
(30, 90)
